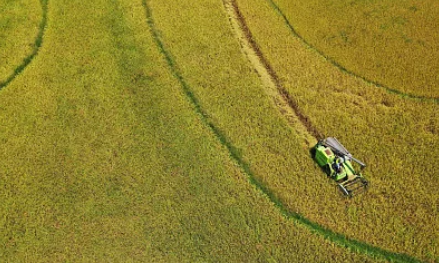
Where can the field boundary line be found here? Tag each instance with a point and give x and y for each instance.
(36, 47)
(344, 69)
(247, 42)
(234, 154)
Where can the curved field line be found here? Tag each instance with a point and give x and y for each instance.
(342, 68)
(337, 238)
(37, 44)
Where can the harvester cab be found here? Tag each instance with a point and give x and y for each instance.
(335, 160)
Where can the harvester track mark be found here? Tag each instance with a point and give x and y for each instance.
(342, 68)
(37, 44)
(287, 106)
(234, 154)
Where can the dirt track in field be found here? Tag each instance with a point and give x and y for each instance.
(273, 86)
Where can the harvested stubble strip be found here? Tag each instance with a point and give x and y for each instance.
(283, 101)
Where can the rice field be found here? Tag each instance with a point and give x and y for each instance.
(384, 128)
(150, 131)
(389, 43)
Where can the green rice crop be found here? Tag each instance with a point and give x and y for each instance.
(393, 43)
(396, 136)
(104, 158)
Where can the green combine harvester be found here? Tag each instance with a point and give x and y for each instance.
(335, 160)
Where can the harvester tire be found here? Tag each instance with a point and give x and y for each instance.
(327, 170)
